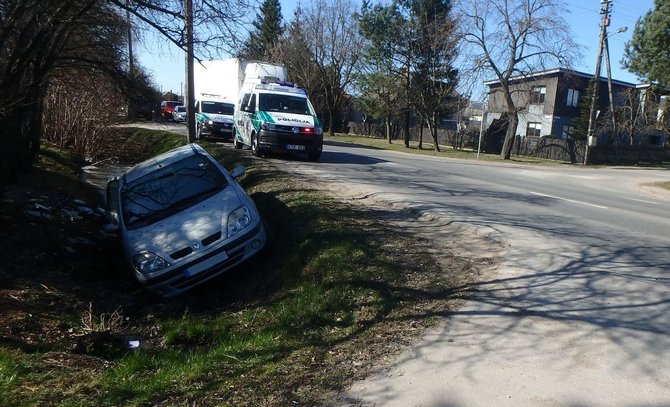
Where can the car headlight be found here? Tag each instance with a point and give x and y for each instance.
(268, 126)
(318, 130)
(147, 262)
(238, 219)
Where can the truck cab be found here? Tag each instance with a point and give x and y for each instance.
(277, 117)
(214, 118)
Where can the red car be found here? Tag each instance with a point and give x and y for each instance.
(167, 106)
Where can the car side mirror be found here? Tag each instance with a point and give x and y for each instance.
(238, 171)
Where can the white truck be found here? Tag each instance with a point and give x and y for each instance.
(215, 96)
(217, 88)
(270, 114)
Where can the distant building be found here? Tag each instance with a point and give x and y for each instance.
(548, 101)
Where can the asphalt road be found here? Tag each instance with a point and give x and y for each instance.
(577, 311)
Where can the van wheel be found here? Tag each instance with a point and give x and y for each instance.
(237, 144)
(255, 149)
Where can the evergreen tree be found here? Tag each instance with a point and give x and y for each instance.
(434, 45)
(584, 108)
(648, 52)
(382, 77)
(268, 29)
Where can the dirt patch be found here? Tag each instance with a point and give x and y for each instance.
(657, 189)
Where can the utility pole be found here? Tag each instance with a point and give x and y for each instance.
(190, 97)
(605, 9)
(131, 61)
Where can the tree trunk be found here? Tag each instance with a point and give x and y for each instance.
(421, 134)
(506, 152)
(388, 128)
(331, 132)
(407, 120)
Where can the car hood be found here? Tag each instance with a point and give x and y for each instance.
(219, 118)
(291, 119)
(186, 228)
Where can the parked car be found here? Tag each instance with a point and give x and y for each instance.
(182, 220)
(166, 108)
(179, 113)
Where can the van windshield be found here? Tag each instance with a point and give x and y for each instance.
(270, 102)
(217, 108)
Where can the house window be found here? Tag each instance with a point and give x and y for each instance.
(537, 95)
(569, 131)
(533, 129)
(573, 97)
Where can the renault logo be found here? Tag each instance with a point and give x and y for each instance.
(296, 130)
(195, 245)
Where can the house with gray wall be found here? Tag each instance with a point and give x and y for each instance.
(548, 101)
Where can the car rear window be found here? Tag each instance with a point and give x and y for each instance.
(169, 190)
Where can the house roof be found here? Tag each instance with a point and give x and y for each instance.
(550, 72)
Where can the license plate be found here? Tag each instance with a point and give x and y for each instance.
(294, 147)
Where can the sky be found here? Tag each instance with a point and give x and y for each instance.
(166, 63)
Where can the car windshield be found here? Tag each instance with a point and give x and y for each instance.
(179, 109)
(169, 190)
(217, 108)
(283, 103)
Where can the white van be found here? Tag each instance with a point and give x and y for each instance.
(277, 117)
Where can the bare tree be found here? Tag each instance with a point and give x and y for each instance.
(41, 37)
(513, 38)
(334, 43)
(293, 51)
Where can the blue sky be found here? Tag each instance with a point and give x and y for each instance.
(166, 63)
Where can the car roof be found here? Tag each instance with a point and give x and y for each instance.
(167, 158)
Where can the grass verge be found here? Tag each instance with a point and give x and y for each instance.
(338, 290)
(427, 149)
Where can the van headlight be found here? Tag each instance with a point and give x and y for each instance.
(210, 122)
(268, 126)
(147, 262)
(238, 219)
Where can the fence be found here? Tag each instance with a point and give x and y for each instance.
(567, 150)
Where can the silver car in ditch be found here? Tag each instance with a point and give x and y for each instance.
(182, 219)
